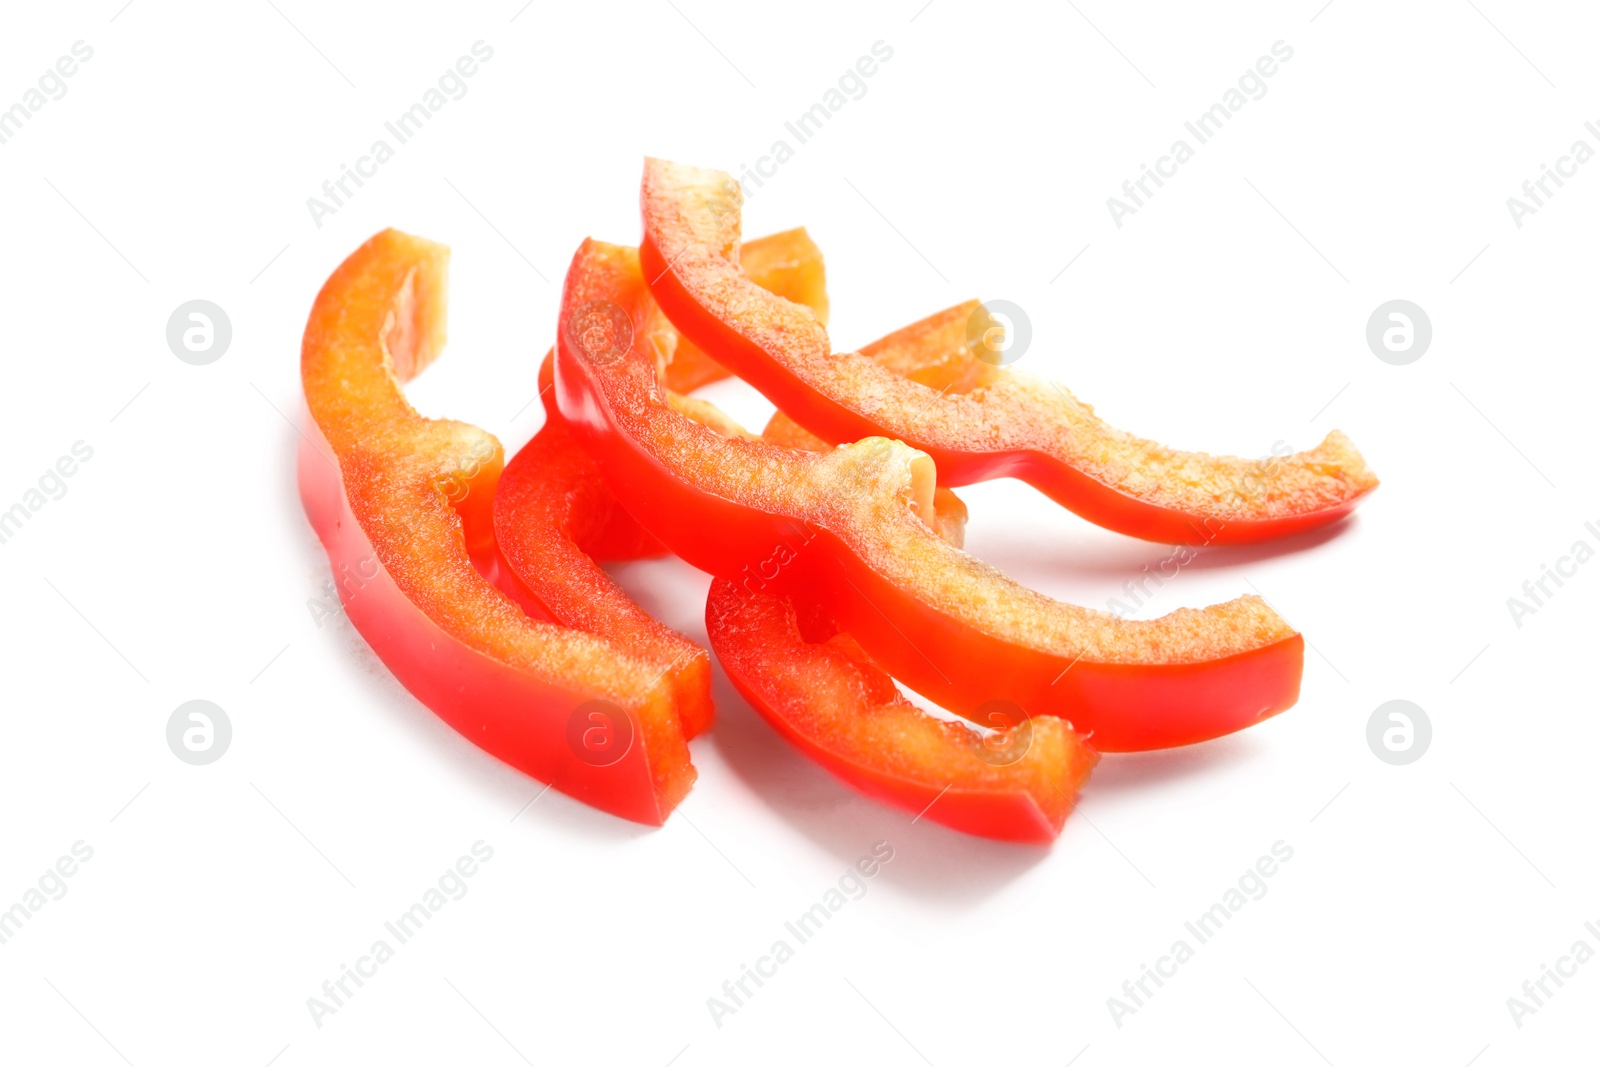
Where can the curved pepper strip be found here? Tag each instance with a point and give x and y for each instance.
(850, 532)
(554, 518)
(549, 510)
(949, 511)
(788, 264)
(988, 422)
(828, 699)
(816, 687)
(402, 509)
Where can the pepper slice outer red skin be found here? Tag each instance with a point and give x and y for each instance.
(550, 511)
(402, 507)
(816, 687)
(663, 468)
(689, 254)
(554, 520)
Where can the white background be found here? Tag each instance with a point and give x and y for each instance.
(1227, 314)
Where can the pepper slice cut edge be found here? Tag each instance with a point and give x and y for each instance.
(850, 532)
(787, 263)
(550, 509)
(987, 421)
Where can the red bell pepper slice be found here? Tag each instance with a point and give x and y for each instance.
(554, 518)
(404, 506)
(817, 688)
(850, 532)
(787, 264)
(987, 422)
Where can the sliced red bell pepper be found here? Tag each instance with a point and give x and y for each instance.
(402, 505)
(818, 689)
(949, 519)
(789, 264)
(986, 422)
(550, 512)
(554, 518)
(849, 531)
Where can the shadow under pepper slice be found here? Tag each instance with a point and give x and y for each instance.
(403, 506)
(981, 421)
(850, 531)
